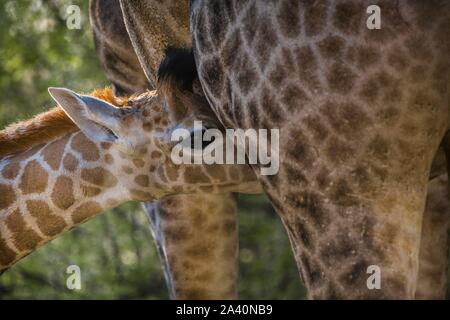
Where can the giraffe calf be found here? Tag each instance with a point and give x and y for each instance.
(95, 152)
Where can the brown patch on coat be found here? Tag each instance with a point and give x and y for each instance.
(331, 47)
(34, 178)
(7, 196)
(288, 20)
(54, 152)
(85, 147)
(108, 159)
(105, 145)
(340, 78)
(172, 171)
(7, 255)
(315, 16)
(49, 223)
(138, 163)
(127, 169)
(85, 211)
(217, 172)
(99, 176)
(195, 175)
(70, 163)
(62, 194)
(349, 17)
(11, 170)
(90, 191)
(141, 195)
(142, 180)
(24, 238)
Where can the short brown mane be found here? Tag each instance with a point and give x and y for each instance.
(46, 126)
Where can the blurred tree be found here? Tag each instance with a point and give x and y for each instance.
(115, 251)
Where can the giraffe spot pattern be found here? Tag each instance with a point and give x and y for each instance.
(229, 50)
(24, 238)
(105, 145)
(141, 195)
(338, 151)
(332, 47)
(247, 75)
(172, 171)
(307, 66)
(127, 169)
(54, 152)
(108, 159)
(11, 170)
(372, 83)
(289, 19)
(349, 16)
(142, 180)
(148, 126)
(194, 175)
(99, 176)
(62, 194)
(211, 73)
(216, 172)
(85, 147)
(89, 192)
(139, 163)
(7, 255)
(7, 197)
(293, 97)
(340, 78)
(315, 16)
(265, 34)
(85, 211)
(34, 178)
(70, 162)
(49, 223)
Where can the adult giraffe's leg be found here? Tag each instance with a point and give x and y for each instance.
(359, 127)
(434, 245)
(197, 240)
(200, 264)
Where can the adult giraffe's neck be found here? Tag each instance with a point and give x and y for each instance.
(51, 188)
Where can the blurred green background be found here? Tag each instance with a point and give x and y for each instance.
(115, 251)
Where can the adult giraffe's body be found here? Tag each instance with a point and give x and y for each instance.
(361, 115)
(178, 222)
(429, 280)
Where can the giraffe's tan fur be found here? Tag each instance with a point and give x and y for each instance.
(315, 20)
(46, 127)
(361, 115)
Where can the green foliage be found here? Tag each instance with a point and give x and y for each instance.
(115, 251)
(37, 51)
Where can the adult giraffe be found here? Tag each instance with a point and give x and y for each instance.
(178, 222)
(318, 17)
(361, 115)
